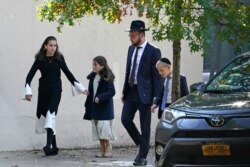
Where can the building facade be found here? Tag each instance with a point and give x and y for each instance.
(21, 36)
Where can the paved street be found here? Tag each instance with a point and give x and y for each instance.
(71, 158)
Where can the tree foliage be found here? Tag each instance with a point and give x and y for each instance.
(233, 15)
(172, 20)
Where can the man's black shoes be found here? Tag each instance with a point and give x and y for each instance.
(140, 162)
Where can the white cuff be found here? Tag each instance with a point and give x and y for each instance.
(77, 89)
(27, 91)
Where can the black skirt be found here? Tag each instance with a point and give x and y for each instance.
(47, 101)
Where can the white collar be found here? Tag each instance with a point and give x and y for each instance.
(170, 76)
(143, 45)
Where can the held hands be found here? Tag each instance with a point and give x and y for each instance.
(152, 109)
(86, 92)
(28, 97)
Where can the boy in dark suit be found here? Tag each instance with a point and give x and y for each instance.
(165, 99)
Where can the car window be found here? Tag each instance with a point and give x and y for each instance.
(235, 77)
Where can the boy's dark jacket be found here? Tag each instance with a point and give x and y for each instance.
(104, 110)
(183, 92)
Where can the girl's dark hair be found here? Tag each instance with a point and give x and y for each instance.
(106, 73)
(41, 54)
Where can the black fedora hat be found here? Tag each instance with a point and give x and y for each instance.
(137, 25)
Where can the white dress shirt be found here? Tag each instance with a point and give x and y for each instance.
(169, 97)
(140, 52)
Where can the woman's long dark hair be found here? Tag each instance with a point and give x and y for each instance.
(41, 54)
(106, 73)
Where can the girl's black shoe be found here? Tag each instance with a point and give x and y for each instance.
(48, 151)
(55, 151)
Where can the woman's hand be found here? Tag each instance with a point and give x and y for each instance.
(97, 100)
(28, 97)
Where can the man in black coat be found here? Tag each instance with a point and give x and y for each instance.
(165, 98)
(141, 87)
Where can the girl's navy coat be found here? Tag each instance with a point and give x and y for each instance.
(104, 110)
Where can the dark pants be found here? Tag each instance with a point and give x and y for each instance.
(133, 103)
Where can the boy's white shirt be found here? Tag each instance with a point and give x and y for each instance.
(169, 97)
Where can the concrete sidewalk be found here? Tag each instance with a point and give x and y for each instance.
(72, 158)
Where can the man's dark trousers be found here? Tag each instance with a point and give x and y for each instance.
(130, 107)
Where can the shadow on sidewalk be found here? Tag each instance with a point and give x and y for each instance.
(72, 158)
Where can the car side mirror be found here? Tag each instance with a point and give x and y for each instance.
(197, 86)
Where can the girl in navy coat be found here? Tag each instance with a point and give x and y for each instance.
(99, 105)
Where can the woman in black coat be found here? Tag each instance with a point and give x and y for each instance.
(99, 105)
(50, 62)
